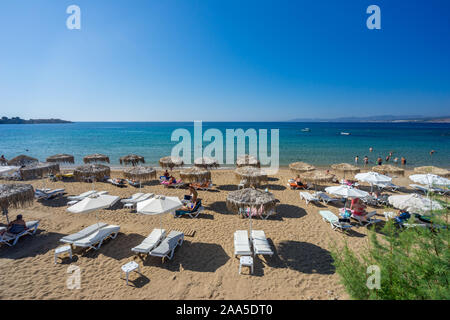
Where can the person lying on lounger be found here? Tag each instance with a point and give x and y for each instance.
(204, 184)
(298, 184)
(190, 206)
(17, 226)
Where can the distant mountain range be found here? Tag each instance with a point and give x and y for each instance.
(17, 120)
(382, 118)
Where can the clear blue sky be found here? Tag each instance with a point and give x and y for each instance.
(214, 60)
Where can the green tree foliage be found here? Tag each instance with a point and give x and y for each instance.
(414, 263)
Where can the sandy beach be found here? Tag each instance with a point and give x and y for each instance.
(202, 268)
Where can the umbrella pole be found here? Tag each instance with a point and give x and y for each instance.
(5, 212)
(250, 215)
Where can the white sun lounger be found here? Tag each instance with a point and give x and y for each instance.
(96, 193)
(95, 239)
(387, 186)
(46, 194)
(11, 239)
(133, 198)
(149, 243)
(369, 220)
(82, 196)
(131, 204)
(168, 245)
(441, 191)
(330, 217)
(260, 244)
(419, 188)
(241, 243)
(83, 233)
(325, 198)
(308, 197)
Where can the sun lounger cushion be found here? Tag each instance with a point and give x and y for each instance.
(151, 241)
(242, 243)
(168, 244)
(83, 233)
(97, 236)
(260, 243)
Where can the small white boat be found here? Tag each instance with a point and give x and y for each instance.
(345, 133)
(306, 130)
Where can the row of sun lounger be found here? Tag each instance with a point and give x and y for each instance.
(92, 236)
(159, 244)
(344, 224)
(243, 244)
(426, 189)
(317, 197)
(135, 198)
(75, 199)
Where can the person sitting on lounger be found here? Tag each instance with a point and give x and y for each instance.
(192, 196)
(16, 226)
(189, 207)
(358, 209)
(172, 180)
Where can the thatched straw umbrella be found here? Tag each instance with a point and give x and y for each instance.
(15, 195)
(132, 159)
(22, 160)
(300, 167)
(253, 176)
(170, 162)
(249, 197)
(38, 170)
(247, 160)
(433, 170)
(91, 171)
(388, 169)
(195, 174)
(317, 177)
(345, 167)
(140, 174)
(61, 158)
(206, 162)
(97, 157)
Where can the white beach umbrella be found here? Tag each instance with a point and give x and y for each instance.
(159, 205)
(93, 203)
(372, 178)
(346, 192)
(430, 179)
(414, 203)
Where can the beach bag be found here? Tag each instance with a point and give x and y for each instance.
(347, 214)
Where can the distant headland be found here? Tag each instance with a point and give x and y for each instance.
(17, 120)
(383, 118)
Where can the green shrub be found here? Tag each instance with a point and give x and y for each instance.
(414, 263)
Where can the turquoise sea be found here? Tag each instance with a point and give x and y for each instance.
(323, 145)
